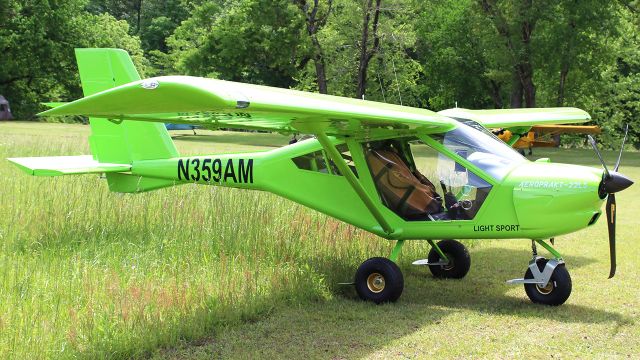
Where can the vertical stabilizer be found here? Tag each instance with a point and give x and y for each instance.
(121, 142)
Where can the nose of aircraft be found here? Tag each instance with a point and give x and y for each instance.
(615, 182)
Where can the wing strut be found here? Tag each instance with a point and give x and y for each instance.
(334, 154)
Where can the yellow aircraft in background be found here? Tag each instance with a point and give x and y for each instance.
(527, 137)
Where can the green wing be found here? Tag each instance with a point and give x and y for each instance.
(507, 118)
(223, 104)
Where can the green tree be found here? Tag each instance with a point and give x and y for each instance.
(315, 19)
(456, 46)
(614, 101)
(256, 41)
(515, 22)
(381, 69)
(38, 40)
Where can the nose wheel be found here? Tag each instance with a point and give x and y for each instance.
(546, 282)
(555, 292)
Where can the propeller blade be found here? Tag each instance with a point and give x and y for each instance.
(611, 225)
(626, 132)
(595, 148)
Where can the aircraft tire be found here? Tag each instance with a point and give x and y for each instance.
(458, 256)
(556, 292)
(379, 280)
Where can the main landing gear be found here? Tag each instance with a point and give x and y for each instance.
(380, 279)
(546, 281)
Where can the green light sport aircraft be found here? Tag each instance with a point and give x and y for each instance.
(401, 173)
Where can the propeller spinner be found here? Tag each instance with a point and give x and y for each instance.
(612, 182)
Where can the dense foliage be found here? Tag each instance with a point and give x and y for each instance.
(434, 54)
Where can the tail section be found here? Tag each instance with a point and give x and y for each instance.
(121, 142)
(115, 141)
(115, 144)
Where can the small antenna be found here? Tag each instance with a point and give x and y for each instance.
(381, 89)
(394, 72)
(396, 76)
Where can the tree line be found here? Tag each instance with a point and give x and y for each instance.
(434, 54)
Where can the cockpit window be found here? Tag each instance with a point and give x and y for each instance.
(346, 155)
(419, 184)
(475, 143)
(314, 161)
(318, 160)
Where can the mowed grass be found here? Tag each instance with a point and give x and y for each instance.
(201, 272)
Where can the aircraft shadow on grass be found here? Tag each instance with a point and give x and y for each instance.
(425, 301)
(484, 288)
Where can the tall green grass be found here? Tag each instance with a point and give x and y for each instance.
(85, 273)
(89, 273)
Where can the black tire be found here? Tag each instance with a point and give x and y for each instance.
(459, 260)
(379, 280)
(556, 292)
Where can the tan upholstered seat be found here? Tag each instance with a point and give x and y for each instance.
(400, 189)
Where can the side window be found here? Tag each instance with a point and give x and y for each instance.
(314, 161)
(346, 155)
(318, 160)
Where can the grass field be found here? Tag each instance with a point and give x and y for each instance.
(199, 272)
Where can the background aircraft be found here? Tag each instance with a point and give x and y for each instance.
(524, 137)
(181, 127)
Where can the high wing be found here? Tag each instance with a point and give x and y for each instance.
(223, 104)
(508, 118)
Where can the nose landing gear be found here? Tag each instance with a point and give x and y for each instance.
(546, 282)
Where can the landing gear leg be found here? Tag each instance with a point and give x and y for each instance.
(546, 282)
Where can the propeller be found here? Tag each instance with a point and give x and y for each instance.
(612, 182)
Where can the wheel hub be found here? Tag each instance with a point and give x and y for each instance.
(375, 282)
(545, 290)
(450, 265)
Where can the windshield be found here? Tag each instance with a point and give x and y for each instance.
(479, 146)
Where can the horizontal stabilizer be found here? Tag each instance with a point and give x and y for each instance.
(66, 165)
